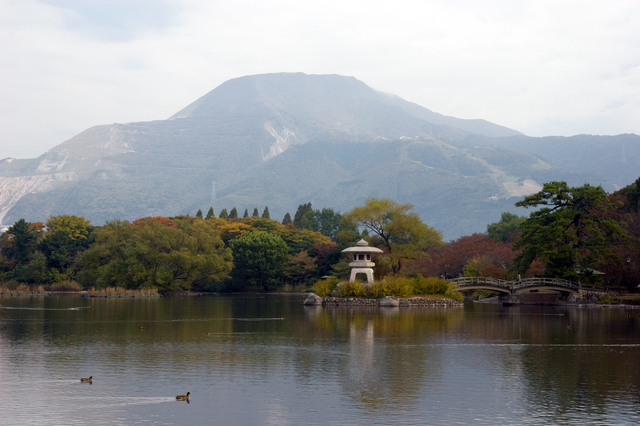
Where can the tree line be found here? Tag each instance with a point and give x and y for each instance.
(578, 233)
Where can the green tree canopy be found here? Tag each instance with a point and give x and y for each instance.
(265, 213)
(287, 219)
(21, 241)
(199, 214)
(402, 232)
(224, 214)
(569, 233)
(507, 229)
(632, 192)
(210, 214)
(260, 259)
(255, 212)
(76, 227)
(304, 218)
(233, 214)
(327, 222)
(246, 213)
(155, 252)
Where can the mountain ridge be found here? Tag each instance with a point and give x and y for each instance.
(256, 131)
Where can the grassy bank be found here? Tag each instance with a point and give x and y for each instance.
(13, 287)
(389, 286)
(122, 292)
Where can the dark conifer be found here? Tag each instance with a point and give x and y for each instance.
(265, 213)
(233, 214)
(224, 214)
(287, 219)
(246, 213)
(209, 214)
(199, 213)
(255, 213)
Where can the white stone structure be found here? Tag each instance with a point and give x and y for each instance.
(362, 264)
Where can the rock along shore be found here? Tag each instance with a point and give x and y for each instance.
(315, 300)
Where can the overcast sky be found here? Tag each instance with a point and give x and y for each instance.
(540, 67)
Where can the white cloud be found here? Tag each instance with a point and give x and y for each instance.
(540, 67)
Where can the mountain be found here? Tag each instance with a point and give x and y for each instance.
(286, 139)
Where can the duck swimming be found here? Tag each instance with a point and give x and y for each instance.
(183, 397)
(87, 379)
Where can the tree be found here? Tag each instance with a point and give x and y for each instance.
(304, 219)
(265, 213)
(402, 232)
(287, 219)
(209, 214)
(76, 227)
(632, 193)
(508, 229)
(327, 222)
(246, 213)
(255, 212)
(572, 235)
(22, 240)
(300, 268)
(224, 214)
(155, 252)
(259, 259)
(199, 214)
(233, 214)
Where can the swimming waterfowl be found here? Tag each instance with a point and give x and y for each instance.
(183, 397)
(87, 379)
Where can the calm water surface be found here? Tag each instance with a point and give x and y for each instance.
(269, 360)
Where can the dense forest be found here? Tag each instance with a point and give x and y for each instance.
(579, 233)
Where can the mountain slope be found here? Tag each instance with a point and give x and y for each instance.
(282, 140)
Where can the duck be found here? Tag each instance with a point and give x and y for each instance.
(87, 379)
(183, 397)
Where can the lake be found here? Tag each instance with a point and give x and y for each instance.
(269, 360)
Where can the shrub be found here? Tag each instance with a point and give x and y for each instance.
(324, 288)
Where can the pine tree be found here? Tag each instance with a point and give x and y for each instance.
(246, 213)
(265, 213)
(233, 214)
(224, 214)
(209, 214)
(199, 213)
(287, 219)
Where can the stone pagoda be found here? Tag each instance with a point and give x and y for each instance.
(362, 263)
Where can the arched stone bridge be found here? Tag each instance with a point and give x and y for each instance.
(564, 287)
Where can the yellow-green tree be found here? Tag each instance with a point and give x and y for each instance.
(402, 232)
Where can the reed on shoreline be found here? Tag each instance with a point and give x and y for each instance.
(14, 287)
(122, 292)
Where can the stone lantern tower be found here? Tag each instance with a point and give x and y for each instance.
(362, 264)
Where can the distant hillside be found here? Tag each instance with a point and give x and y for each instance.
(285, 139)
(615, 158)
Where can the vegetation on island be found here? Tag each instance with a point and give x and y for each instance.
(579, 233)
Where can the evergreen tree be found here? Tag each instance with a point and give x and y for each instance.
(233, 214)
(224, 214)
(209, 214)
(287, 219)
(23, 240)
(255, 213)
(199, 213)
(246, 213)
(304, 218)
(265, 213)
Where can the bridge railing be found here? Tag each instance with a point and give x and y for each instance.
(545, 282)
(473, 281)
(515, 285)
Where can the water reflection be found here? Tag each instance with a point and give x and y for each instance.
(270, 360)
